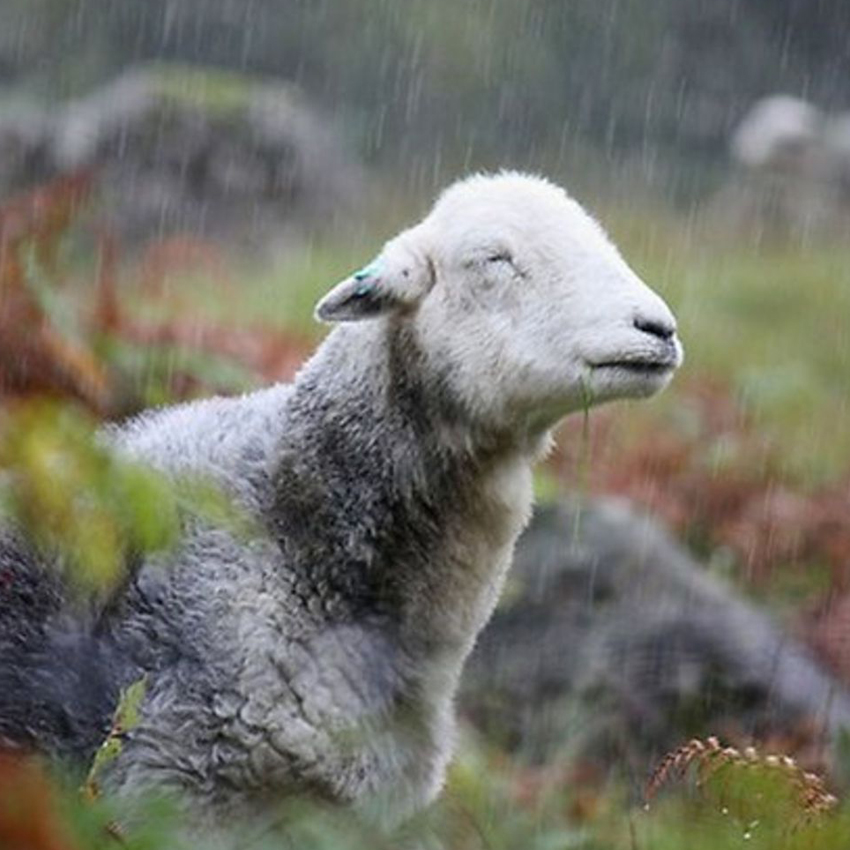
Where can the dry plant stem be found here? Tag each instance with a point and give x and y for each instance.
(116, 833)
(633, 843)
(709, 755)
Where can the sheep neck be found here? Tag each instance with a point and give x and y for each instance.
(394, 507)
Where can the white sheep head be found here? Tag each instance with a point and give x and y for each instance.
(520, 303)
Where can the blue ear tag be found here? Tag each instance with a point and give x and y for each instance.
(366, 286)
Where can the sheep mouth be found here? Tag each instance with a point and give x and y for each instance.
(637, 367)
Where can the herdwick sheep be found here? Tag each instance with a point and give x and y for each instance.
(390, 482)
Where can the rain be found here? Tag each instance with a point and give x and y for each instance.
(256, 596)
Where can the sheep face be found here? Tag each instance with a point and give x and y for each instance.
(520, 302)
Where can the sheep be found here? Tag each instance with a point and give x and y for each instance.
(388, 484)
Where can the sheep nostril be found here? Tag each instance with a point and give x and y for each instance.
(661, 329)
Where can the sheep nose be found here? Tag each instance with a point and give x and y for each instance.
(655, 327)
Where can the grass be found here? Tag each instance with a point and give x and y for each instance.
(768, 320)
(490, 803)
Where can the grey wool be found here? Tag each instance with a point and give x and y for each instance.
(388, 484)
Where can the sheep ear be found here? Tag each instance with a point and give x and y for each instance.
(396, 280)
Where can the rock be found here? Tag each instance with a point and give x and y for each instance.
(776, 133)
(176, 150)
(24, 133)
(613, 642)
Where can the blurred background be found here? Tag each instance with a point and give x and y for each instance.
(181, 179)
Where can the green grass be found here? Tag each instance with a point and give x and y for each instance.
(280, 296)
(771, 322)
(493, 803)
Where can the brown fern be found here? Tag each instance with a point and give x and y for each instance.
(34, 355)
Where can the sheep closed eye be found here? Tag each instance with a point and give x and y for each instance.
(500, 257)
(502, 263)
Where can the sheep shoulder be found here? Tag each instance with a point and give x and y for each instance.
(230, 440)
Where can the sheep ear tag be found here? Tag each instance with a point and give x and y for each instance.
(397, 279)
(360, 296)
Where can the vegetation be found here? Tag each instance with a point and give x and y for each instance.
(723, 800)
